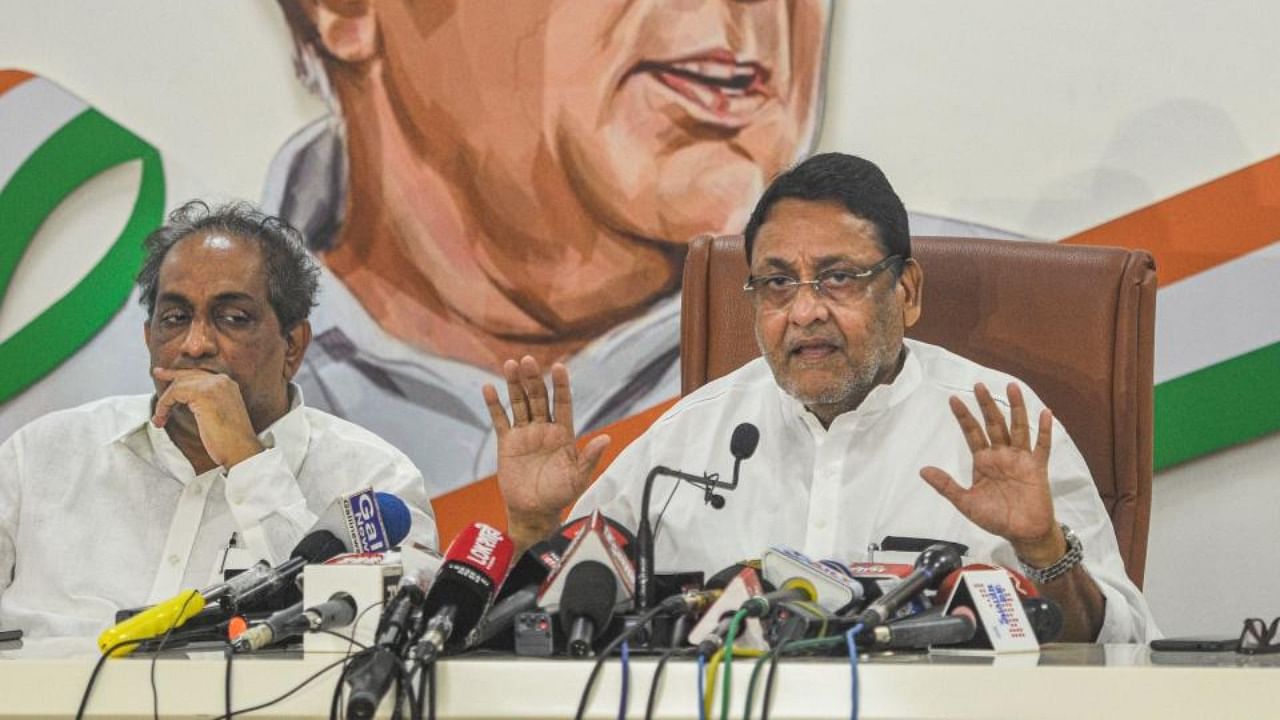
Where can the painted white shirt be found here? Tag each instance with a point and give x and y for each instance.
(836, 492)
(100, 510)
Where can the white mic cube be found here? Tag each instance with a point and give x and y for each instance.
(369, 583)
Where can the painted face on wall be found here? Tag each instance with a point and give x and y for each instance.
(657, 120)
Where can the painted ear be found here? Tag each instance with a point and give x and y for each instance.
(911, 286)
(346, 29)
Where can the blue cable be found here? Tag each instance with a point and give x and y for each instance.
(626, 678)
(702, 671)
(853, 667)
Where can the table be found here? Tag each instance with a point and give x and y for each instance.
(45, 679)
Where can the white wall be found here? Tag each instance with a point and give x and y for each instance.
(1042, 119)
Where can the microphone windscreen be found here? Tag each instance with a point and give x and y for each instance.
(318, 546)
(395, 517)
(475, 565)
(589, 591)
(743, 443)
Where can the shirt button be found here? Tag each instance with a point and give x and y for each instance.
(174, 559)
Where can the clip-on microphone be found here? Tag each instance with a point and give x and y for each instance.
(743, 444)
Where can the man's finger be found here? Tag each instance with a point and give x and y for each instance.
(1044, 437)
(562, 396)
(497, 413)
(1019, 428)
(515, 393)
(588, 459)
(535, 389)
(172, 395)
(996, 429)
(946, 486)
(973, 435)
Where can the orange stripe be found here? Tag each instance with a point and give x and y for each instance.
(10, 79)
(1202, 227)
(481, 501)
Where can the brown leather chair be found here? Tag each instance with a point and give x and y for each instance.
(1076, 323)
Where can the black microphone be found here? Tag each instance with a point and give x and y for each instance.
(337, 611)
(474, 566)
(742, 444)
(1045, 617)
(932, 566)
(922, 631)
(586, 605)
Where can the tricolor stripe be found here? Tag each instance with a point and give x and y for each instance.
(32, 110)
(51, 143)
(1217, 252)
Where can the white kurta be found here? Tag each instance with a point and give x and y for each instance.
(835, 493)
(99, 510)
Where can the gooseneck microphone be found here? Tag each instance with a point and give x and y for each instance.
(742, 445)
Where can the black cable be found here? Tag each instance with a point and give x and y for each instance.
(657, 677)
(768, 680)
(431, 692)
(93, 676)
(641, 621)
(228, 652)
(290, 692)
(155, 693)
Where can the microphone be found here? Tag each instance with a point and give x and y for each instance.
(1045, 617)
(474, 566)
(586, 606)
(932, 566)
(371, 521)
(793, 590)
(594, 543)
(922, 631)
(260, 581)
(742, 444)
(337, 611)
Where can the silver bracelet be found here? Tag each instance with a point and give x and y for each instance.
(1073, 557)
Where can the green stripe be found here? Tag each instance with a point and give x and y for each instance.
(83, 148)
(1217, 407)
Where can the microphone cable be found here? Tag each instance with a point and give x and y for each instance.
(626, 681)
(652, 702)
(641, 622)
(851, 639)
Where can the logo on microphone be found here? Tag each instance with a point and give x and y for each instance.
(481, 551)
(366, 522)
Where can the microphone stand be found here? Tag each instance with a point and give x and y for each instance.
(709, 482)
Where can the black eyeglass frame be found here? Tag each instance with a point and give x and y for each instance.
(795, 284)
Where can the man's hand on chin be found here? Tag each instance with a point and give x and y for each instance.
(214, 400)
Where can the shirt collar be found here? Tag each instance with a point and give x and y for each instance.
(291, 433)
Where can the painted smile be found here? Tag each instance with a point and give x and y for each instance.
(714, 87)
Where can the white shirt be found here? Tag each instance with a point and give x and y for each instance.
(836, 492)
(100, 510)
(358, 371)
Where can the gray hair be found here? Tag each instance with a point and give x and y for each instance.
(292, 274)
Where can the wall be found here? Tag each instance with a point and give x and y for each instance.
(1041, 120)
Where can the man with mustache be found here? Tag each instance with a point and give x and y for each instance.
(127, 500)
(858, 425)
(504, 177)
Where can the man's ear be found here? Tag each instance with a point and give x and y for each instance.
(296, 342)
(910, 286)
(346, 29)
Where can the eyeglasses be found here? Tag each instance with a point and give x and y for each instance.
(1258, 637)
(838, 284)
